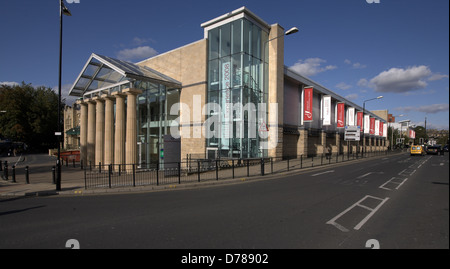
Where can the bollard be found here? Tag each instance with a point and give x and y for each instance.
(198, 170)
(1, 165)
(53, 175)
(27, 175)
(14, 173)
(5, 171)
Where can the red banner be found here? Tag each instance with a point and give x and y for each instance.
(308, 104)
(340, 115)
(412, 134)
(380, 130)
(359, 119)
(372, 126)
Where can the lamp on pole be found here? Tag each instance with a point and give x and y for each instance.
(62, 11)
(364, 111)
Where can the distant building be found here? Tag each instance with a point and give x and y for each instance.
(72, 127)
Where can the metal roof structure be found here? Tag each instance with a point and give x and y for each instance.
(102, 72)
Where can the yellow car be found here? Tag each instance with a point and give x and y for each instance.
(417, 150)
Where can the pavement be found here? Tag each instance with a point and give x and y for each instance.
(72, 183)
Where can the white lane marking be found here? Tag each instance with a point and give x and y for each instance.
(362, 222)
(326, 172)
(365, 175)
(357, 227)
(399, 184)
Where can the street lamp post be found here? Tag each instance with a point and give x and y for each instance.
(62, 11)
(364, 111)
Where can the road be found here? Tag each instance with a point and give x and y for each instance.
(399, 200)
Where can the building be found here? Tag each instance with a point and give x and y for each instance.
(71, 127)
(228, 95)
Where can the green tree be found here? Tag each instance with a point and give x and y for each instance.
(31, 115)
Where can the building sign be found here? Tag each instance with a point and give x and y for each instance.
(327, 110)
(351, 116)
(381, 129)
(372, 126)
(359, 119)
(385, 129)
(412, 134)
(340, 115)
(308, 104)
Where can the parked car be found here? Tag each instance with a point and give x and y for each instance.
(417, 150)
(436, 149)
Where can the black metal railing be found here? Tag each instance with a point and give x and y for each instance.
(113, 175)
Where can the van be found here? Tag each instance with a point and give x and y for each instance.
(417, 150)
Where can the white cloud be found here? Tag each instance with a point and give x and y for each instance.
(138, 53)
(352, 96)
(355, 65)
(311, 67)
(363, 82)
(343, 86)
(437, 77)
(399, 80)
(9, 83)
(432, 109)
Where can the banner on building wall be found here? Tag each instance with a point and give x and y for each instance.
(351, 116)
(326, 110)
(307, 104)
(226, 105)
(340, 115)
(359, 119)
(381, 129)
(366, 124)
(377, 127)
(372, 126)
(412, 134)
(385, 129)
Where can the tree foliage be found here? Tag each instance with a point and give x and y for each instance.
(31, 115)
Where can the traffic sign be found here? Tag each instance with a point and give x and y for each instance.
(352, 133)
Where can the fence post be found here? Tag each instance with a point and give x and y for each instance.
(81, 164)
(321, 159)
(73, 162)
(198, 170)
(157, 174)
(1, 164)
(134, 175)
(271, 165)
(109, 175)
(248, 169)
(232, 167)
(301, 161)
(288, 163)
(179, 173)
(262, 166)
(217, 170)
(27, 175)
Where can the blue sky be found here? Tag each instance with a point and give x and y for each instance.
(395, 48)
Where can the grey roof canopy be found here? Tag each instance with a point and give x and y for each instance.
(101, 72)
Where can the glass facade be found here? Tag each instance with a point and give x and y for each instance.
(154, 121)
(237, 75)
